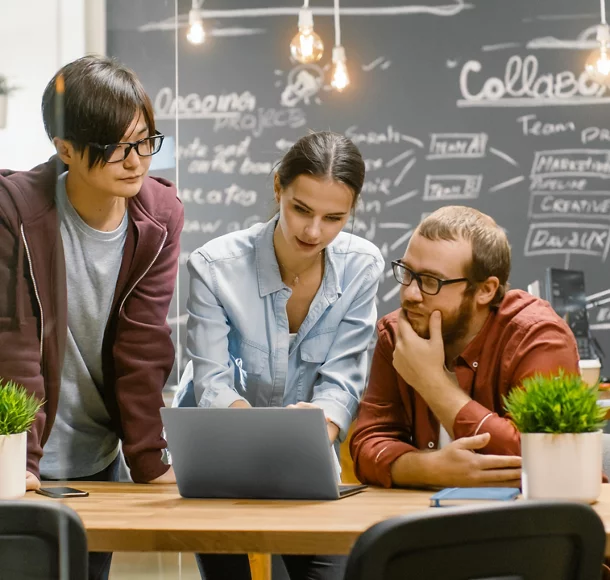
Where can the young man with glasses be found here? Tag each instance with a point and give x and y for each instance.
(88, 262)
(432, 415)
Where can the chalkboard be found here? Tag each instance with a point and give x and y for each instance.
(482, 103)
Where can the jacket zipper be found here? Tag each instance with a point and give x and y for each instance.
(144, 274)
(27, 251)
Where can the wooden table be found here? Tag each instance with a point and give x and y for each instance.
(125, 517)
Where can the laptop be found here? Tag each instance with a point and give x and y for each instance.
(258, 453)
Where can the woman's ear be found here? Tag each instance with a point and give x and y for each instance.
(277, 188)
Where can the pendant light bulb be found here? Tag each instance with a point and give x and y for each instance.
(196, 32)
(340, 77)
(598, 63)
(306, 47)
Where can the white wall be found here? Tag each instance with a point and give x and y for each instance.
(37, 37)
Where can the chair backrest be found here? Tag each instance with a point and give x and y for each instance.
(523, 540)
(41, 541)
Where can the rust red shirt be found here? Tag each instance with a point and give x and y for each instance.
(522, 337)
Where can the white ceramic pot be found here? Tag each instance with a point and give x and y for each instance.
(3, 110)
(563, 466)
(13, 455)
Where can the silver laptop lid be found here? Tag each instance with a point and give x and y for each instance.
(258, 453)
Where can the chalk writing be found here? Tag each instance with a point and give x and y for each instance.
(377, 185)
(227, 159)
(195, 106)
(603, 315)
(390, 135)
(567, 238)
(531, 126)
(572, 162)
(457, 145)
(522, 85)
(260, 120)
(591, 134)
(544, 184)
(506, 184)
(570, 204)
(233, 194)
(444, 187)
(218, 227)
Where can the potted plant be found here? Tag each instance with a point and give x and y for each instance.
(561, 437)
(17, 413)
(5, 91)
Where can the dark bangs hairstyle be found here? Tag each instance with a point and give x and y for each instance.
(101, 98)
(324, 155)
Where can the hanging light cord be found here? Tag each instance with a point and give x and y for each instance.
(305, 3)
(338, 24)
(602, 9)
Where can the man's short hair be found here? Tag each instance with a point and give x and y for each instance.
(490, 247)
(100, 100)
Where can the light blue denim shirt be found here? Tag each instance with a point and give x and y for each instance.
(238, 335)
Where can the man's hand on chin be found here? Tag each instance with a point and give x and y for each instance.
(418, 360)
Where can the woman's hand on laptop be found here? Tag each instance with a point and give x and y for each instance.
(240, 404)
(333, 430)
(168, 477)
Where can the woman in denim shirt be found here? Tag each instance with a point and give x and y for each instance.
(283, 313)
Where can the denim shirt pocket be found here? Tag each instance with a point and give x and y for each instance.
(315, 349)
(314, 353)
(249, 367)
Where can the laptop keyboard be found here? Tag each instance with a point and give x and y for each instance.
(349, 489)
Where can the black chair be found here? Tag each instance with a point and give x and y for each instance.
(522, 540)
(41, 541)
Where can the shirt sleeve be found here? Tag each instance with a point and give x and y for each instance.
(383, 430)
(342, 376)
(207, 338)
(544, 347)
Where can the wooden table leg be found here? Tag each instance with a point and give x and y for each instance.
(260, 566)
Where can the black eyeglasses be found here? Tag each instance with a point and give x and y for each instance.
(427, 284)
(117, 152)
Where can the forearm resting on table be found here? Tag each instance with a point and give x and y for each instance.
(457, 465)
(415, 469)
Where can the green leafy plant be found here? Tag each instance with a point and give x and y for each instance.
(561, 403)
(5, 88)
(17, 408)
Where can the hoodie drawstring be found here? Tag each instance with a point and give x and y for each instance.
(20, 281)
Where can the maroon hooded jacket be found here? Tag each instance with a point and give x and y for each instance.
(137, 352)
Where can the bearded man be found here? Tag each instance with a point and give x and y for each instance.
(433, 412)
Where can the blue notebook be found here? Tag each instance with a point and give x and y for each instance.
(470, 495)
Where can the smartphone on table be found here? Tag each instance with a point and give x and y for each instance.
(61, 492)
